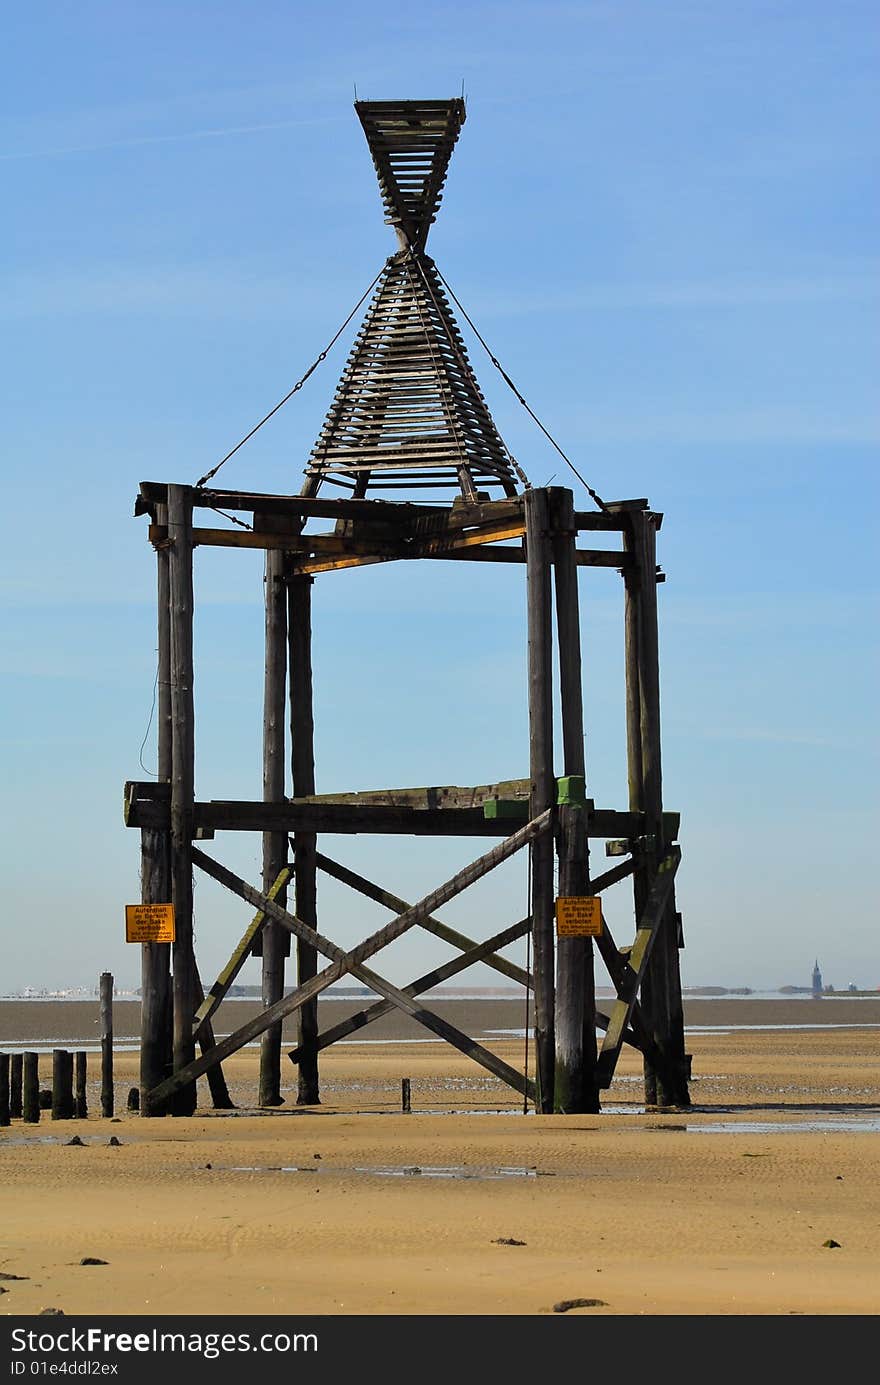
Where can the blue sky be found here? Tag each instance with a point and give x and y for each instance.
(663, 217)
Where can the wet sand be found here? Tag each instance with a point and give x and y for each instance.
(354, 1208)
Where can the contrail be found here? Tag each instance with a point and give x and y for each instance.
(162, 139)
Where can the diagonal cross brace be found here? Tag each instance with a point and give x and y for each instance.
(297, 998)
(212, 1000)
(628, 983)
(395, 997)
(431, 925)
(479, 953)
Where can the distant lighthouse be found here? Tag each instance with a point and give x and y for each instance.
(817, 980)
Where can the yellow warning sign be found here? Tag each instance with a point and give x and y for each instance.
(149, 923)
(578, 916)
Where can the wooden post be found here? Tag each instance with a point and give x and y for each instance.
(302, 749)
(182, 785)
(62, 1084)
(30, 1103)
(543, 786)
(576, 1085)
(156, 1010)
(661, 1003)
(275, 940)
(106, 993)
(80, 1100)
(4, 1088)
(405, 1096)
(15, 1086)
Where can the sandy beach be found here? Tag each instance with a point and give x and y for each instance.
(466, 1206)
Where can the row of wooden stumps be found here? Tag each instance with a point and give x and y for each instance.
(20, 1094)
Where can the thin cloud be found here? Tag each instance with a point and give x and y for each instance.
(164, 139)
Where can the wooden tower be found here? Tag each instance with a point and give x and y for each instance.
(408, 415)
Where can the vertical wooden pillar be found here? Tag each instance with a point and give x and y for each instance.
(4, 1088)
(543, 786)
(156, 1009)
(274, 937)
(30, 1100)
(16, 1068)
(80, 1100)
(62, 1084)
(302, 749)
(106, 1001)
(661, 1003)
(576, 1086)
(182, 784)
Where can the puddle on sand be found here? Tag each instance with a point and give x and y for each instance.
(398, 1171)
(829, 1125)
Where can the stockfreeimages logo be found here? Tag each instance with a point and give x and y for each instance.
(94, 1341)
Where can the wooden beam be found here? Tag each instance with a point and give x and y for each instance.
(481, 952)
(220, 1098)
(239, 956)
(543, 786)
(639, 957)
(105, 1014)
(146, 805)
(428, 923)
(182, 780)
(273, 938)
(253, 1028)
(418, 517)
(576, 1091)
(302, 752)
(665, 1085)
(156, 997)
(400, 999)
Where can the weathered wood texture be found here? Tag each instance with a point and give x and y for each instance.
(273, 938)
(661, 1005)
(156, 1002)
(16, 1070)
(80, 1085)
(62, 1084)
(543, 787)
(147, 805)
(220, 1098)
(576, 1090)
(30, 1101)
(105, 994)
(646, 938)
(302, 759)
(4, 1089)
(303, 993)
(182, 783)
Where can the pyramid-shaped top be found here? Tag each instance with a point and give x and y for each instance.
(408, 411)
(411, 143)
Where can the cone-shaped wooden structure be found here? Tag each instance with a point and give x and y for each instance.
(408, 411)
